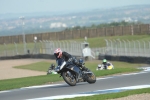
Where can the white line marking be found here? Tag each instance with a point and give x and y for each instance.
(92, 93)
(31, 87)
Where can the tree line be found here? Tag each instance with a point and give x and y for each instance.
(112, 24)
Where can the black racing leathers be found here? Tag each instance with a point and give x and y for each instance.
(106, 64)
(65, 56)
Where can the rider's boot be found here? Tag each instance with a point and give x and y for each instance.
(82, 66)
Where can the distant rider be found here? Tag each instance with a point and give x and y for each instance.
(106, 64)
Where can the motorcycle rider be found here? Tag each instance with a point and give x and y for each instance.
(105, 63)
(62, 55)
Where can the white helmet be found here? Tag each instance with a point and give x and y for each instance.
(58, 53)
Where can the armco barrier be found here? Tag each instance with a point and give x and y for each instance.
(37, 56)
(145, 60)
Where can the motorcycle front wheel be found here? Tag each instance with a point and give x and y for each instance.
(91, 78)
(69, 78)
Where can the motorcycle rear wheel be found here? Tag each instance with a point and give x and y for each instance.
(69, 78)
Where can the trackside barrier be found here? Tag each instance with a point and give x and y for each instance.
(129, 59)
(35, 56)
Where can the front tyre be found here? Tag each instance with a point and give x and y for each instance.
(91, 78)
(69, 78)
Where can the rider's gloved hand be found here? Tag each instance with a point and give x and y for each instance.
(70, 60)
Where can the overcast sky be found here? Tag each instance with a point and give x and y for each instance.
(25, 6)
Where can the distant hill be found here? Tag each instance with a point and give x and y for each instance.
(39, 22)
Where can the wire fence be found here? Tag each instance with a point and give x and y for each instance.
(113, 47)
(125, 48)
(42, 47)
(72, 47)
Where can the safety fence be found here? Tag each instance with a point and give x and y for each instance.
(72, 47)
(41, 47)
(138, 48)
(134, 48)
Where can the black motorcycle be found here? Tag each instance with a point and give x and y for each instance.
(73, 74)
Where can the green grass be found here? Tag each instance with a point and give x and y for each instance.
(101, 40)
(120, 67)
(13, 46)
(28, 81)
(39, 66)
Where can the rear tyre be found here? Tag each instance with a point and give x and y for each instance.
(69, 78)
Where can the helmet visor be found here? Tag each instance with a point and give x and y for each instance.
(56, 55)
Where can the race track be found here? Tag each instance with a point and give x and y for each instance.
(55, 91)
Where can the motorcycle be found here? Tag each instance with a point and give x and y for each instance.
(73, 74)
(102, 67)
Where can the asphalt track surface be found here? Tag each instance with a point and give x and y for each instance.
(125, 80)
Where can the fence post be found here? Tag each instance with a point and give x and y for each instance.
(5, 49)
(119, 47)
(16, 48)
(125, 47)
(41, 47)
(139, 48)
(111, 47)
(132, 32)
(116, 47)
(107, 46)
(134, 49)
(144, 52)
(129, 48)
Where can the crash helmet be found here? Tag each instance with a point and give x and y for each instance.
(58, 53)
(104, 60)
(80, 61)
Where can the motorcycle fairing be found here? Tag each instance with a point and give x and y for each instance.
(74, 68)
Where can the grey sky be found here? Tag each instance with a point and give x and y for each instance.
(23, 6)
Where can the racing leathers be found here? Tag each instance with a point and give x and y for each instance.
(106, 64)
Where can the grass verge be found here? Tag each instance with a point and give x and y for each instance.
(120, 67)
